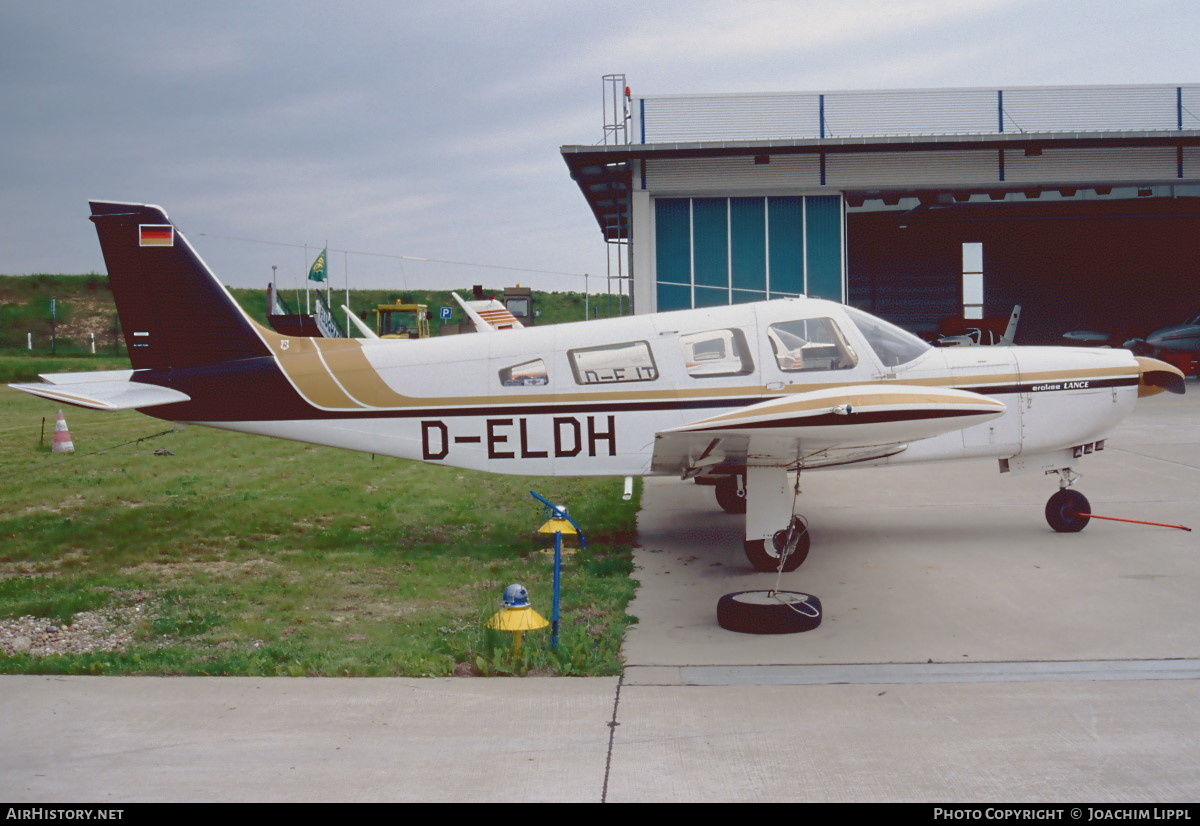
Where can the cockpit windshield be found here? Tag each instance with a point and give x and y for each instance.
(893, 345)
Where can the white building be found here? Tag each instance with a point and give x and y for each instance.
(1080, 203)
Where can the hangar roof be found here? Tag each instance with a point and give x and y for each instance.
(874, 122)
(604, 174)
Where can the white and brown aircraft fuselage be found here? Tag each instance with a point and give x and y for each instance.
(737, 396)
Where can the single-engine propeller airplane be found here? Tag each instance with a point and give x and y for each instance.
(736, 396)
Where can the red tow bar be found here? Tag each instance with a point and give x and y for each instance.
(1137, 521)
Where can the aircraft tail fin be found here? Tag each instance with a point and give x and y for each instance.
(1010, 332)
(173, 311)
(488, 315)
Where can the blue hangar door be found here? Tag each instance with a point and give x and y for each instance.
(713, 251)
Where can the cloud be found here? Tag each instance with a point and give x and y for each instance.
(755, 30)
(433, 126)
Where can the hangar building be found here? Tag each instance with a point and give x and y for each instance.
(923, 206)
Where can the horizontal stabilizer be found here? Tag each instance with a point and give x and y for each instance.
(101, 391)
(87, 377)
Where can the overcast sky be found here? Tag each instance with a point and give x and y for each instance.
(432, 129)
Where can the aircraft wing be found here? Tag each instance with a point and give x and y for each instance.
(102, 390)
(830, 426)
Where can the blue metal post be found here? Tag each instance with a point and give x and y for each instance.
(1000, 107)
(1179, 108)
(642, 117)
(557, 589)
(821, 114)
(555, 513)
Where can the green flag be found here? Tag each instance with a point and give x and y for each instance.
(317, 271)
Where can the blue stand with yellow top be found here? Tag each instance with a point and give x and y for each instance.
(560, 522)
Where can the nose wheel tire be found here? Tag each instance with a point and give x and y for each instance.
(1065, 511)
(764, 554)
(768, 612)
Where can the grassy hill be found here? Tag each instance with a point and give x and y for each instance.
(84, 313)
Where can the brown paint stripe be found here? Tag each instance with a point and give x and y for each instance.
(873, 401)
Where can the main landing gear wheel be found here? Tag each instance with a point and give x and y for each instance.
(768, 612)
(731, 494)
(765, 557)
(1065, 511)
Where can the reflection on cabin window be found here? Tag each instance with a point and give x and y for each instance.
(810, 344)
(611, 363)
(526, 374)
(716, 353)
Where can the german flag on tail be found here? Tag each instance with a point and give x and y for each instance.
(156, 235)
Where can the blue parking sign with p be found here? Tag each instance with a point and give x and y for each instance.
(445, 312)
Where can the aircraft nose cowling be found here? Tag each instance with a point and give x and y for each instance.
(1157, 376)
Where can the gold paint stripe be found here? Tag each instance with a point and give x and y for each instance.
(364, 387)
(700, 394)
(361, 380)
(1018, 378)
(857, 401)
(312, 378)
(301, 362)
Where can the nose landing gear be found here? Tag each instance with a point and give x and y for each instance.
(1068, 510)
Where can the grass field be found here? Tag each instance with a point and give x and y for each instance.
(244, 555)
(84, 314)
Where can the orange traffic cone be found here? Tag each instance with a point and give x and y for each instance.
(62, 436)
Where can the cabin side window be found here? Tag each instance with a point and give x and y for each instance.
(613, 363)
(810, 344)
(526, 374)
(716, 353)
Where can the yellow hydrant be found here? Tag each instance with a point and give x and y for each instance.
(517, 616)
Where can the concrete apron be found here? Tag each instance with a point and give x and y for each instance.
(951, 563)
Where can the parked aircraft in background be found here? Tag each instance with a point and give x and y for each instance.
(979, 335)
(1184, 337)
(1177, 344)
(737, 396)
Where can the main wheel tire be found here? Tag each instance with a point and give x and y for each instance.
(731, 494)
(1065, 509)
(765, 557)
(768, 612)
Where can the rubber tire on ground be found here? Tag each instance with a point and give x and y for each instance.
(768, 561)
(1063, 511)
(760, 612)
(728, 497)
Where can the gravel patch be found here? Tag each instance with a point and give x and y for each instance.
(108, 629)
